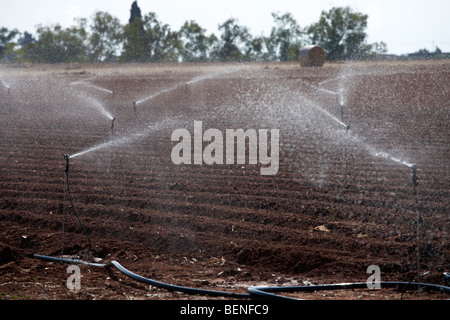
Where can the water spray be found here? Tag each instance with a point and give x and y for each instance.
(8, 91)
(341, 122)
(413, 166)
(96, 103)
(67, 187)
(186, 83)
(158, 93)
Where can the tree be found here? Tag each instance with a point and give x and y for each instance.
(195, 44)
(105, 38)
(56, 45)
(135, 12)
(15, 51)
(162, 43)
(284, 41)
(6, 40)
(234, 42)
(376, 49)
(148, 40)
(26, 39)
(257, 48)
(341, 32)
(134, 46)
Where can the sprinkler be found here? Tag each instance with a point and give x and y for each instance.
(419, 217)
(111, 139)
(67, 157)
(135, 113)
(114, 103)
(67, 187)
(414, 176)
(112, 125)
(344, 169)
(345, 160)
(419, 222)
(416, 198)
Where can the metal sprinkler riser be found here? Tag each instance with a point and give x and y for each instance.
(66, 156)
(414, 174)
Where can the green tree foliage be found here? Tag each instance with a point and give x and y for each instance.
(134, 42)
(105, 38)
(284, 41)
(341, 32)
(25, 39)
(195, 44)
(148, 40)
(135, 12)
(234, 44)
(56, 45)
(6, 41)
(256, 49)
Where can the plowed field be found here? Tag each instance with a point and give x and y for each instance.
(341, 200)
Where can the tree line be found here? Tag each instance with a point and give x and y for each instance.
(103, 38)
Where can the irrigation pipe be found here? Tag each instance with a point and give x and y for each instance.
(140, 278)
(269, 292)
(254, 292)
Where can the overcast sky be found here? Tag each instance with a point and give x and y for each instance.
(404, 25)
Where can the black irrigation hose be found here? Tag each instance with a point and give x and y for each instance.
(146, 280)
(269, 292)
(254, 292)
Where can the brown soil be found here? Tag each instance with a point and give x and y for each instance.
(224, 227)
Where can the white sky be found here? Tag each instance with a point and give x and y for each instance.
(404, 25)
